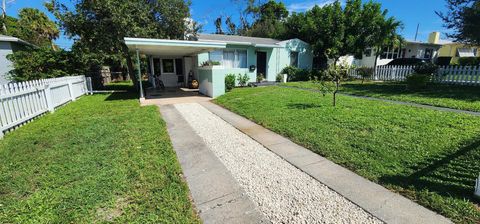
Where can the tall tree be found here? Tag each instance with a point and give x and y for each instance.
(268, 19)
(101, 26)
(463, 16)
(231, 27)
(218, 25)
(35, 27)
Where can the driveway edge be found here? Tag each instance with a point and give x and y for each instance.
(216, 195)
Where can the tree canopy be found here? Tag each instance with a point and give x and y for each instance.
(463, 16)
(100, 26)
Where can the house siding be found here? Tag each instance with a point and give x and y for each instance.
(5, 64)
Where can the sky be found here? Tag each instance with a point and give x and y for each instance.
(409, 12)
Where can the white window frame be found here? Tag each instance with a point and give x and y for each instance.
(174, 66)
(235, 57)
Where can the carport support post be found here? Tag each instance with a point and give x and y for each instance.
(139, 73)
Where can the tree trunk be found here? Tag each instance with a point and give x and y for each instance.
(131, 69)
(375, 65)
(337, 83)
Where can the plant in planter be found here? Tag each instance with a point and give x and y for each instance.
(209, 63)
(260, 77)
(423, 75)
(229, 82)
(243, 79)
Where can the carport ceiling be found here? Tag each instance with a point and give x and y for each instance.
(159, 47)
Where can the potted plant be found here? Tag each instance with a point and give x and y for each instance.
(209, 64)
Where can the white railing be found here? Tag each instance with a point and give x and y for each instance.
(21, 102)
(463, 75)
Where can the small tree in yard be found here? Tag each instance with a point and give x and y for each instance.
(242, 80)
(336, 75)
(423, 75)
(365, 73)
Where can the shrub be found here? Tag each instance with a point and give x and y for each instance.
(209, 63)
(365, 72)
(260, 77)
(243, 79)
(296, 74)
(418, 81)
(279, 78)
(425, 68)
(229, 82)
(469, 61)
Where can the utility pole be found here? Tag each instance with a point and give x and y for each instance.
(416, 33)
(4, 15)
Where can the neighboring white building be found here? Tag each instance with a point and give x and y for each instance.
(8, 45)
(412, 49)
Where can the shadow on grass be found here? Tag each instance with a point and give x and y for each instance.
(451, 175)
(302, 106)
(465, 93)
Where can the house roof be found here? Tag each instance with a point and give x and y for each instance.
(234, 39)
(171, 47)
(15, 40)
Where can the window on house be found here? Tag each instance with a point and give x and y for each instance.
(168, 65)
(368, 52)
(428, 53)
(230, 58)
(294, 58)
(465, 52)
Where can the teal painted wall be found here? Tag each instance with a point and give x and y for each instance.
(277, 58)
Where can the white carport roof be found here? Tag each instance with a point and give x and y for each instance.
(171, 47)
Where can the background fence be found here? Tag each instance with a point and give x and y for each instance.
(462, 75)
(23, 101)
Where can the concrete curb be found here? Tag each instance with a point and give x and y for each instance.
(216, 194)
(375, 199)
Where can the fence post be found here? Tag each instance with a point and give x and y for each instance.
(70, 89)
(89, 85)
(49, 99)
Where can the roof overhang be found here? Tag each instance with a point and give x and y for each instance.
(171, 47)
(15, 40)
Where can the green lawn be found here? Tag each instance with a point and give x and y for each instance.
(100, 159)
(457, 97)
(429, 156)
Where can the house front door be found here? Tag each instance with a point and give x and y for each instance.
(262, 63)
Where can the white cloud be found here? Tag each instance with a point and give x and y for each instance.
(306, 5)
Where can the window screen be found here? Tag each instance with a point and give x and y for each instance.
(294, 58)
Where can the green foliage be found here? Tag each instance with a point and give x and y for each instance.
(469, 61)
(279, 77)
(427, 155)
(333, 31)
(101, 159)
(269, 20)
(209, 63)
(42, 63)
(462, 17)
(101, 26)
(365, 72)
(260, 77)
(456, 97)
(426, 68)
(418, 81)
(296, 74)
(33, 26)
(229, 82)
(243, 79)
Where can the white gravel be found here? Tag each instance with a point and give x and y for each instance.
(282, 192)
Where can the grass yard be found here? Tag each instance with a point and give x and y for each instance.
(457, 97)
(100, 159)
(430, 156)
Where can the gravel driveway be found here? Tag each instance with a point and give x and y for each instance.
(282, 192)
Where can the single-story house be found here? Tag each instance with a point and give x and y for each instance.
(178, 62)
(411, 49)
(8, 45)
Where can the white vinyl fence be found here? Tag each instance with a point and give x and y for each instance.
(462, 75)
(23, 101)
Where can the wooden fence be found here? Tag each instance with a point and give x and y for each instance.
(23, 101)
(462, 75)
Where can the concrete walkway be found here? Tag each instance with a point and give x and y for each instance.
(395, 102)
(217, 196)
(375, 199)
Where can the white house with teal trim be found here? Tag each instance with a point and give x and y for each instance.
(176, 62)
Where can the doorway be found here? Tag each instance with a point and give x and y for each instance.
(262, 64)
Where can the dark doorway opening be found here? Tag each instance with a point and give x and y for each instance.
(262, 63)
